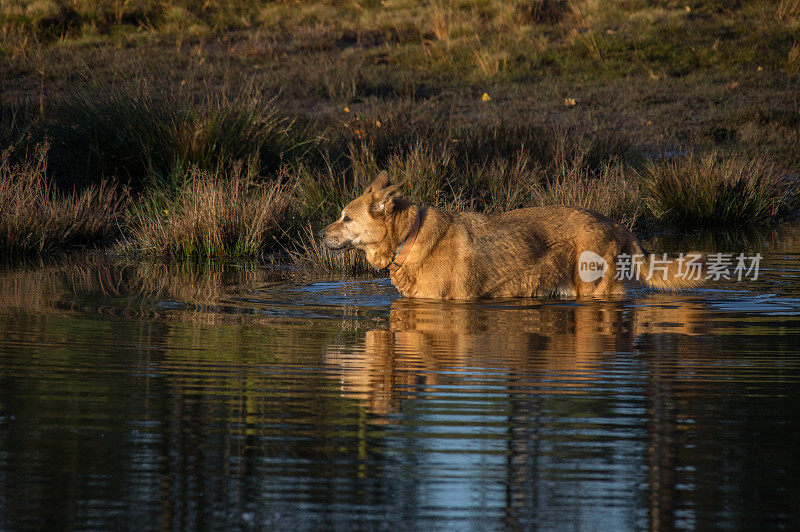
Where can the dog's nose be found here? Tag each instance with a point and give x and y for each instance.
(321, 233)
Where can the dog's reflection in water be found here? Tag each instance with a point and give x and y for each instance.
(550, 347)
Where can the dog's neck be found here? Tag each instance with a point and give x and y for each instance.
(398, 226)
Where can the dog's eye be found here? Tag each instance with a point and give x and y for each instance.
(346, 218)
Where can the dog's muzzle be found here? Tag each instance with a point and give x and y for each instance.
(334, 242)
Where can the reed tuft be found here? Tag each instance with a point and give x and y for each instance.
(712, 190)
(36, 217)
(225, 214)
(147, 133)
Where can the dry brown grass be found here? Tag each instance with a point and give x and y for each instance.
(212, 215)
(35, 217)
(491, 59)
(793, 58)
(544, 11)
(147, 132)
(714, 190)
(787, 9)
(613, 191)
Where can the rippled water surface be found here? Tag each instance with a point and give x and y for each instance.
(138, 395)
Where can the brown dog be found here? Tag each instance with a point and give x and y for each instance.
(533, 252)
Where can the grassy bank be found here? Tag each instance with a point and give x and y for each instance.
(240, 212)
(242, 129)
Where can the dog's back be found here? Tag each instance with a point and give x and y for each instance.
(521, 253)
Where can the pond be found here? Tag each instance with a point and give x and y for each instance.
(135, 394)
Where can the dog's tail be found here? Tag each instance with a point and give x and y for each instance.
(663, 271)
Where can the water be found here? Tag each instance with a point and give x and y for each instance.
(136, 395)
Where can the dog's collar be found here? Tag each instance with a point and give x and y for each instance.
(405, 247)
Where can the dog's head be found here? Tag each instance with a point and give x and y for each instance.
(365, 221)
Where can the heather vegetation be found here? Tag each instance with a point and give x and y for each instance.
(196, 130)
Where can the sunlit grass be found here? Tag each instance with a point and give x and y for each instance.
(715, 190)
(35, 217)
(211, 215)
(613, 191)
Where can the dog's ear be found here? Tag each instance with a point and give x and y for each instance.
(380, 182)
(383, 194)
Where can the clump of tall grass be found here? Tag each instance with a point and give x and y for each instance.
(438, 176)
(36, 217)
(147, 133)
(787, 10)
(222, 214)
(544, 11)
(43, 20)
(614, 190)
(54, 19)
(714, 190)
(16, 126)
(324, 189)
(487, 140)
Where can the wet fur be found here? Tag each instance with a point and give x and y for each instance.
(529, 252)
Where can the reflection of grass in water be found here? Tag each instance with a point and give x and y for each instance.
(204, 283)
(40, 285)
(212, 291)
(733, 240)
